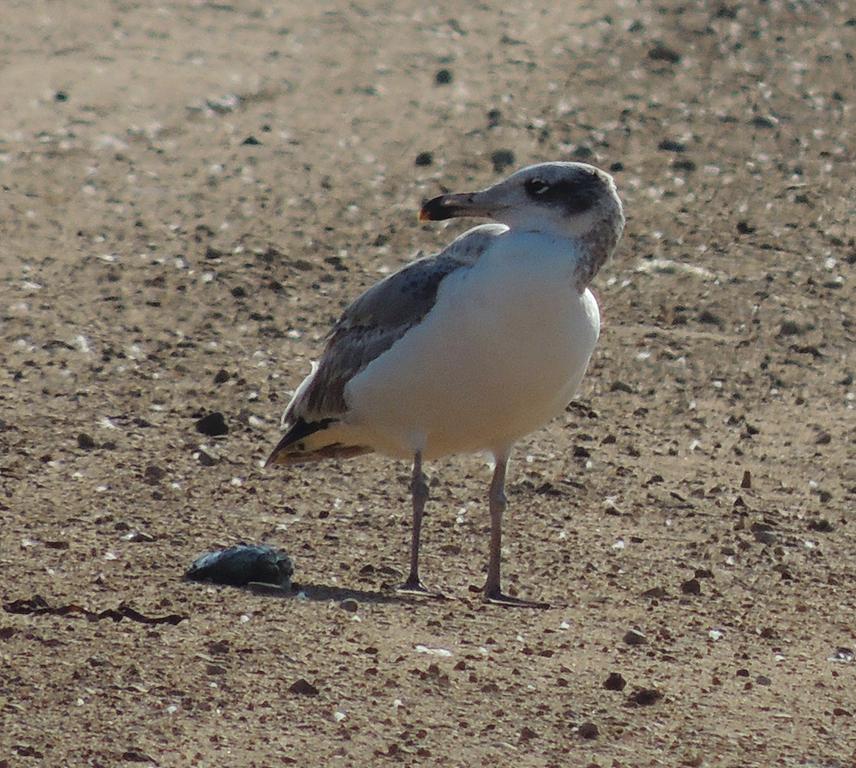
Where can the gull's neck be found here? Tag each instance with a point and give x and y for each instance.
(590, 251)
(596, 246)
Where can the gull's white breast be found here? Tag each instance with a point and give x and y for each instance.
(502, 352)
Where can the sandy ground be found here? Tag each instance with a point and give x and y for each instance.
(190, 194)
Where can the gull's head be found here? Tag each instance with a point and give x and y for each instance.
(567, 199)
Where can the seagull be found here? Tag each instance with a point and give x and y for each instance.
(470, 349)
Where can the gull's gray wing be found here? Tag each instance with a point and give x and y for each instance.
(381, 316)
(366, 329)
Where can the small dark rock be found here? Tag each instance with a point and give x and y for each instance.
(843, 655)
(493, 118)
(670, 145)
(502, 159)
(746, 481)
(726, 12)
(760, 121)
(239, 292)
(662, 52)
(213, 424)
(620, 386)
(644, 697)
(683, 164)
(139, 537)
(205, 458)
(153, 474)
(790, 328)
(61, 96)
(763, 532)
(708, 318)
(821, 526)
(615, 682)
(443, 77)
(745, 228)
(763, 680)
(635, 637)
(582, 152)
(655, 593)
(350, 605)
(424, 158)
(616, 167)
(691, 587)
(85, 442)
(824, 438)
(250, 141)
(221, 377)
(588, 730)
(303, 687)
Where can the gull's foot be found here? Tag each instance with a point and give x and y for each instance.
(497, 597)
(416, 587)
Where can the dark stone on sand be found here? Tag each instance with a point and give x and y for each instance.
(683, 164)
(206, 459)
(662, 52)
(821, 526)
(424, 158)
(303, 687)
(644, 697)
(761, 121)
(790, 328)
(635, 637)
(153, 474)
(620, 386)
(615, 682)
(85, 442)
(213, 424)
(243, 564)
(443, 77)
(502, 159)
(708, 318)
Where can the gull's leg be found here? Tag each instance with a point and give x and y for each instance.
(419, 491)
(498, 503)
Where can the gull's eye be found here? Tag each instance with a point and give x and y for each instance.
(536, 187)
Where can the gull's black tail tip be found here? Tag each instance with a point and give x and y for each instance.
(304, 442)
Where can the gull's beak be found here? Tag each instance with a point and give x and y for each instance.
(457, 205)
